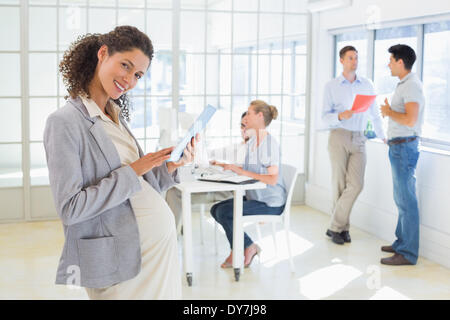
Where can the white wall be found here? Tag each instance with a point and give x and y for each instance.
(375, 210)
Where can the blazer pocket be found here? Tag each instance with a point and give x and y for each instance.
(98, 257)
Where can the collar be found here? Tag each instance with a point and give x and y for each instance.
(342, 79)
(94, 110)
(253, 140)
(409, 75)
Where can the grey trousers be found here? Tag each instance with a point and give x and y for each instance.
(347, 151)
(173, 198)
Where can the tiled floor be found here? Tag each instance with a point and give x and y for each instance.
(29, 254)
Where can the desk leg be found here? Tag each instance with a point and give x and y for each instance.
(187, 235)
(238, 234)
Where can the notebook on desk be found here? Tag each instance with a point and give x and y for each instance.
(225, 178)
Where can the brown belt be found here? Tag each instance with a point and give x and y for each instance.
(398, 141)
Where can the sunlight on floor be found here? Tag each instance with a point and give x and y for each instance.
(327, 281)
(387, 293)
(271, 255)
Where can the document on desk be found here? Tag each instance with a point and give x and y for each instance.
(226, 178)
(362, 102)
(197, 126)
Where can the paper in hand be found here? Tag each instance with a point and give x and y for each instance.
(362, 102)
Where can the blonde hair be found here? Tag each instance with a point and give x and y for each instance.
(269, 112)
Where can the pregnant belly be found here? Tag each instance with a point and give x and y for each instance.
(152, 213)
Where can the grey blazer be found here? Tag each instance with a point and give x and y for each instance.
(91, 191)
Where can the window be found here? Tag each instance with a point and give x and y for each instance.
(229, 52)
(436, 81)
(432, 65)
(10, 98)
(233, 52)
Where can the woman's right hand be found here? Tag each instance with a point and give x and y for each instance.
(151, 160)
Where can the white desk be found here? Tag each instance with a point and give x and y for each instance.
(189, 187)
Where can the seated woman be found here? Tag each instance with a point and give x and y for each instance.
(262, 162)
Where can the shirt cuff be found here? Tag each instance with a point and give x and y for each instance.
(335, 120)
(174, 175)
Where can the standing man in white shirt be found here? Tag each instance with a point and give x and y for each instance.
(405, 125)
(346, 144)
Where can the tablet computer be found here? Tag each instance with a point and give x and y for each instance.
(197, 126)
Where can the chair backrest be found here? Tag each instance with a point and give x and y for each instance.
(289, 174)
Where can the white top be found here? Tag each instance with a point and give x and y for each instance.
(148, 198)
(258, 159)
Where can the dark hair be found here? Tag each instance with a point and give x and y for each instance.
(404, 52)
(79, 62)
(345, 49)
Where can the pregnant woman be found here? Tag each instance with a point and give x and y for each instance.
(120, 237)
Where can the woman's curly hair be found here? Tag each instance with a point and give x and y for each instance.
(80, 61)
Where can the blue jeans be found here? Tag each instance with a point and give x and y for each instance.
(222, 212)
(403, 158)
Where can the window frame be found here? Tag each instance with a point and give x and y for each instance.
(303, 38)
(430, 144)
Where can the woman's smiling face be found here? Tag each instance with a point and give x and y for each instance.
(120, 72)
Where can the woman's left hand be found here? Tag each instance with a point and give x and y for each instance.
(232, 167)
(188, 155)
(188, 152)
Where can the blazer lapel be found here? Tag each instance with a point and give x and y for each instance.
(106, 145)
(104, 142)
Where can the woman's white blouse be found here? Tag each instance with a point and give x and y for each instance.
(159, 277)
(148, 198)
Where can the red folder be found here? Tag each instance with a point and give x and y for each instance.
(362, 102)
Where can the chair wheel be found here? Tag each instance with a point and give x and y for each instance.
(237, 273)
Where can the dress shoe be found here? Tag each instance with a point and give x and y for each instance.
(346, 236)
(396, 260)
(387, 249)
(335, 237)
